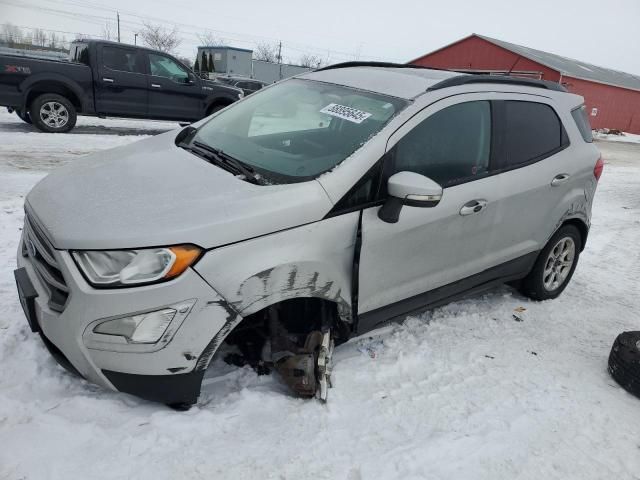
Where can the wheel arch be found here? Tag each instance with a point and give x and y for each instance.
(582, 227)
(60, 86)
(217, 102)
(235, 320)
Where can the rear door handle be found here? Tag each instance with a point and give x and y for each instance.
(155, 85)
(560, 179)
(107, 80)
(472, 207)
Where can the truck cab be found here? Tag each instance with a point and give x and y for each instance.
(108, 79)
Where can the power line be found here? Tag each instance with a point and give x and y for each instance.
(233, 36)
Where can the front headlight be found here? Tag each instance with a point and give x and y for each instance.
(116, 268)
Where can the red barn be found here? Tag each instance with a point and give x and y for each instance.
(612, 97)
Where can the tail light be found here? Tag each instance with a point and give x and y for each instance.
(597, 170)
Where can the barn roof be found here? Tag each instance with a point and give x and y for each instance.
(570, 67)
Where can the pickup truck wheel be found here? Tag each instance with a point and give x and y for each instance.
(555, 265)
(53, 113)
(25, 117)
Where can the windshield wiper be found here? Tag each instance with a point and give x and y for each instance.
(226, 161)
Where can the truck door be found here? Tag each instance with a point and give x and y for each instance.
(174, 93)
(121, 83)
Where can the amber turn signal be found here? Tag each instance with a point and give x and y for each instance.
(186, 255)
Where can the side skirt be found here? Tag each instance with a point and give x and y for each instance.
(490, 278)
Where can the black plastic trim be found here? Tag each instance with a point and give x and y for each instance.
(494, 79)
(181, 388)
(506, 272)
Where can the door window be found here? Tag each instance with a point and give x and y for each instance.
(450, 147)
(162, 66)
(532, 131)
(121, 59)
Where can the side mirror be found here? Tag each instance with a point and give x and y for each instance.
(411, 189)
(191, 79)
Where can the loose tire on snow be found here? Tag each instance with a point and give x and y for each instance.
(53, 113)
(624, 362)
(555, 265)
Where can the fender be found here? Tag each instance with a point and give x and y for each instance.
(48, 78)
(580, 202)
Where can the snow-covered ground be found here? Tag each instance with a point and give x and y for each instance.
(623, 137)
(464, 392)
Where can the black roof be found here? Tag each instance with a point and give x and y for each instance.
(462, 79)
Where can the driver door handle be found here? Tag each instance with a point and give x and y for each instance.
(560, 179)
(107, 80)
(473, 207)
(155, 85)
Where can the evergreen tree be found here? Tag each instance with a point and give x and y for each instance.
(196, 66)
(205, 65)
(212, 68)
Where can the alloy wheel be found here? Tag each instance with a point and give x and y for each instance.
(54, 114)
(558, 264)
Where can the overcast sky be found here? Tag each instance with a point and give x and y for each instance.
(605, 33)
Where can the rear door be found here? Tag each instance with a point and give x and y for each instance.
(536, 174)
(449, 142)
(173, 93)
(121, 85)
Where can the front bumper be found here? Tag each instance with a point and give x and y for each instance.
(169, 371)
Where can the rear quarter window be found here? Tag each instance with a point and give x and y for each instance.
(533, 132)
(582, 121)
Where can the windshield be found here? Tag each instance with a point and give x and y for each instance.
(298, 129)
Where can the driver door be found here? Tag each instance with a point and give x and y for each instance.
(403, 263)
(174, 94)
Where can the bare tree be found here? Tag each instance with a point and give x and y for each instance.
(53, 40)
(208, 39)
(160, 38)
(109, 31)
(266, 52)
(39, 37)
(310, 61)
(11, 34)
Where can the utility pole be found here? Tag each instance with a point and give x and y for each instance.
(280, 58)
(135, 39)
(118, 17)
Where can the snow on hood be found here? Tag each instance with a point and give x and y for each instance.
(153, 193)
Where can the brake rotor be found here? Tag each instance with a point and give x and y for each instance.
(323, 366)
(308, 373)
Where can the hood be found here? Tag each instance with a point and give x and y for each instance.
(152, 193)
(213, 84)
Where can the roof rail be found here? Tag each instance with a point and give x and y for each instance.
(507, 80)
(378, 64)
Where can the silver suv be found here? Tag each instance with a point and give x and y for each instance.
(311, 212)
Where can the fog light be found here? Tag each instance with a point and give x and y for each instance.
(143, 328)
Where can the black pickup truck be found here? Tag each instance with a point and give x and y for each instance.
(107, 79)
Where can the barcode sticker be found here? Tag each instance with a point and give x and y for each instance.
(347, 113)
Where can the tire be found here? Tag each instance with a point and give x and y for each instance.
(554, 266)
(624, 362)
(25, 117)
(53, 113)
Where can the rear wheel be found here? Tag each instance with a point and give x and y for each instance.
(555, 265)
(53, 113)
(24, 116)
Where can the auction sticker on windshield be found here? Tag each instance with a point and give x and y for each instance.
(346, 113)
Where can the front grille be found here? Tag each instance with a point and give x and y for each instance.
(38, 249)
